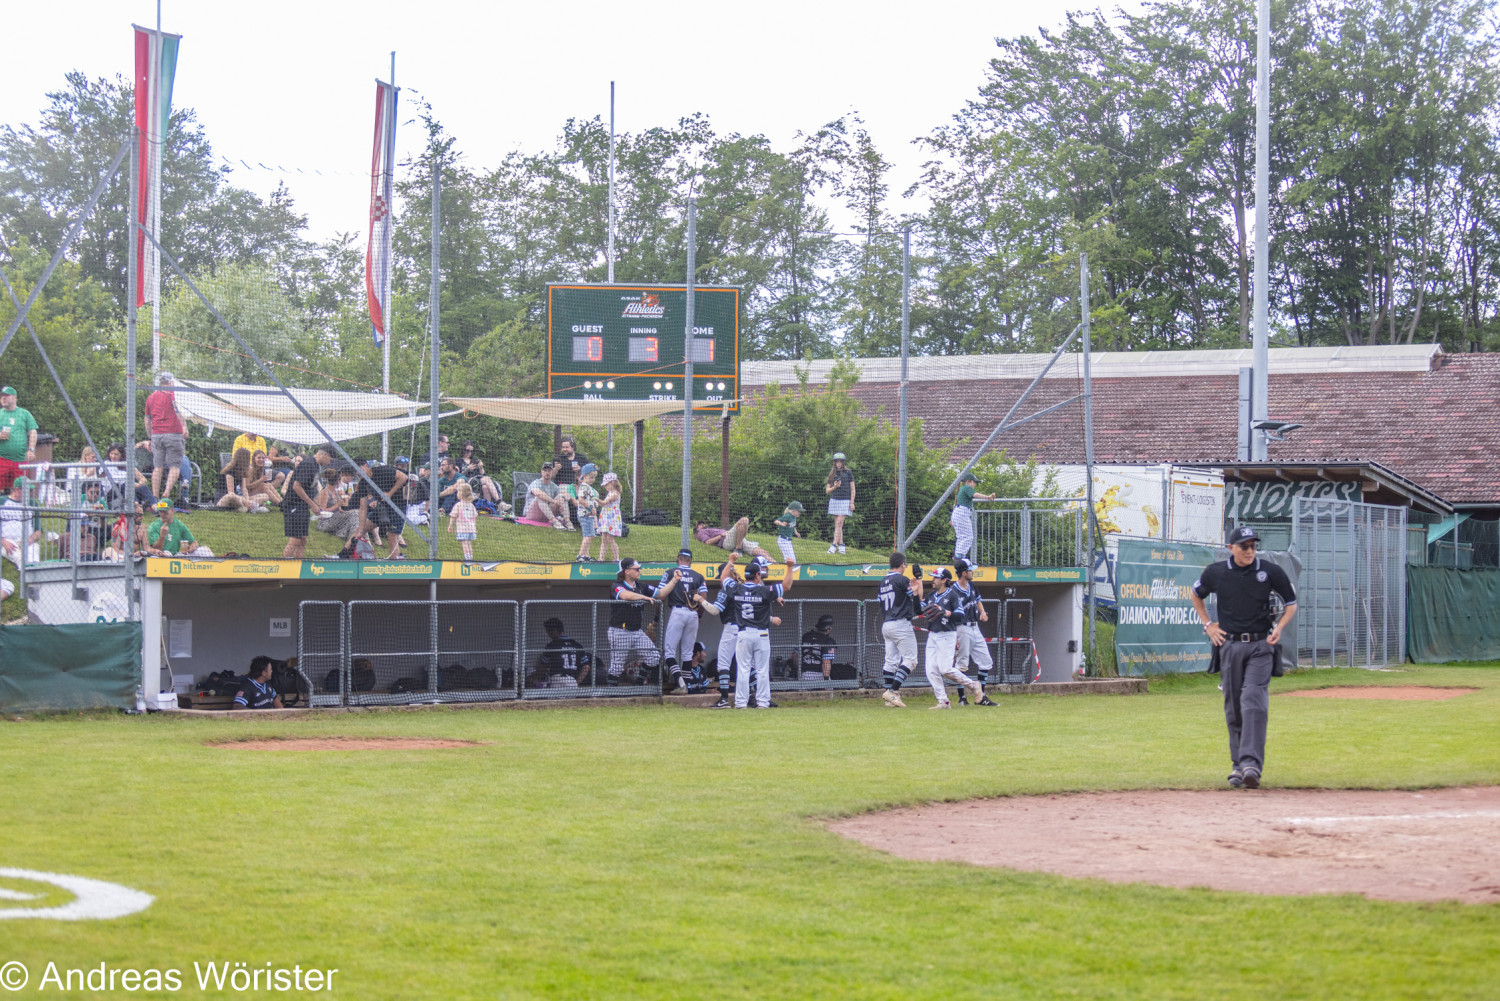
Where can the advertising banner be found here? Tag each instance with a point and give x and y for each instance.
(1158, 631)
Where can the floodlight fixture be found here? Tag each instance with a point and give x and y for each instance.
(1275, 430)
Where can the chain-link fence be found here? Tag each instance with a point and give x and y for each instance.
(1028, 532)
(1351, 599)
(1008, 644)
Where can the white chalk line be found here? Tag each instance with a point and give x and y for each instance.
(93, 899)
(1453, 815)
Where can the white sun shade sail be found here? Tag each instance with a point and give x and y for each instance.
(267, 412)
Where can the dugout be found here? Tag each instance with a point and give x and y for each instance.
(214, 615)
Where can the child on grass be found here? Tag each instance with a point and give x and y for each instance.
(465, 521)
(611, 523)
(588, 511)
(786, 529)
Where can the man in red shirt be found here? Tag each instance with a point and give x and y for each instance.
(166, 431)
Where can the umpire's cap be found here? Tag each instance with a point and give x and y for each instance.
(1244, 533)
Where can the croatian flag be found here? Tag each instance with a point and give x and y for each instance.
(155, 67)
(382, 188)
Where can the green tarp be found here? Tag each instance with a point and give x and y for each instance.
(86, 666)
(1452, 614)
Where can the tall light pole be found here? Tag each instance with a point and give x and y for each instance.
(1259, 403)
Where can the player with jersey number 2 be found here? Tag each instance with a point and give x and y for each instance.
(751, 601)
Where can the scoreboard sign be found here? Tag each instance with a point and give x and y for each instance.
(627, 342)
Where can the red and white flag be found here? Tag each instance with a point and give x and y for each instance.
(155, 67)
(382, 189)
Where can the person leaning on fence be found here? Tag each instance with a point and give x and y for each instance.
(1246, 640)
(628, 641)
(962, 518)
(300, 503)
(840, 490)
(17, 437)
(255, 692)
(15, 541)
(167, 435)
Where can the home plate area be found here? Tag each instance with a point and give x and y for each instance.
(1436, 844)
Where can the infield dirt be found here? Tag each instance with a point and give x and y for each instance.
(1436, 844)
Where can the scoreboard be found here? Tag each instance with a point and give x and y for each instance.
(627, 342)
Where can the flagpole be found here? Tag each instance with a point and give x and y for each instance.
(385, 315)
(155, 140)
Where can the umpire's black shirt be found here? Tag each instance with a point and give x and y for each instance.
(1244, 593)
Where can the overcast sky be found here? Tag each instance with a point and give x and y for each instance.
(290, 85)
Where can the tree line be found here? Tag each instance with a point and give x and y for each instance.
(1129, 137)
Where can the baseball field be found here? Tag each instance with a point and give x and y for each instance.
(661, 852)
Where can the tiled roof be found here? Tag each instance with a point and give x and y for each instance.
(1439, 428)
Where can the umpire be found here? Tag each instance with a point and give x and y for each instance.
(1246, 639)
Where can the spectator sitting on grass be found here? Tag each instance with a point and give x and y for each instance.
(116, 477)
(236, 475)
(168, 535)
(473, 469)
(262, 487)
(545, 501)
(333, 517)
(255, 692)
(417, 489)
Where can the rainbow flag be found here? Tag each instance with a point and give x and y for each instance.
(155, 67)
(382, 191)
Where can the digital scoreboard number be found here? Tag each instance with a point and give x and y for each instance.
(628, 342)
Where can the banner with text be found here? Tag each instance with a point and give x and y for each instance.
(1158, 631)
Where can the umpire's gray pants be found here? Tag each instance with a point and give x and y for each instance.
(1246, 669)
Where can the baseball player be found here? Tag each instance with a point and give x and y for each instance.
(942, 640)
(962, 518)
(680, 589)
(751, 600)
(728, 635)
(564, 662)
(818, 650)
(899, 599)
(972, 647)
(625, 634)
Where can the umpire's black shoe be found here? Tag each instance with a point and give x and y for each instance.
(1252, 779)
(723, 703)
(1237, 779)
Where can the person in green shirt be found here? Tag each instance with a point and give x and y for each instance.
(786, 529)
(962, 518)
(17, 437)
(168, 535)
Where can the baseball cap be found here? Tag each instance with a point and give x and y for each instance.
(553, 623)
(7, 390)
(968, 478)
(628, 562)
(684, 554)
(20, 481)
(162, 505)
(825, 622)
(1243, 533)
(164, 377)
(794, 506)
(960, 566)
(588, 467)
(401, 460)
(942, 573)
(839, 455)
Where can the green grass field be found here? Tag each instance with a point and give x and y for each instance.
(260, 535)
(659, 852)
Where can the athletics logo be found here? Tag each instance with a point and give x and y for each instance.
(647, 307)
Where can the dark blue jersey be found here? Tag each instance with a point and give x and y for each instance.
(897, 597)
(751, 602)
(564, 655)
(970, 599)
(690, 582)
(951, 602)
(255, 695)
(626, 614)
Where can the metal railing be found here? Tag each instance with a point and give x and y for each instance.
(1351, 608)
(1007, 635)
(1029, 532)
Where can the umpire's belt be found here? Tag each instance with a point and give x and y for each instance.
(1244, 637)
